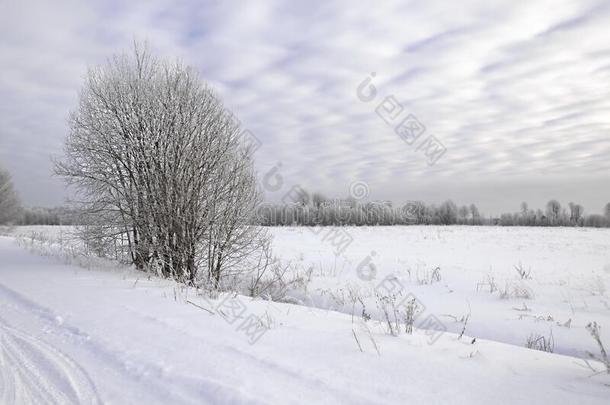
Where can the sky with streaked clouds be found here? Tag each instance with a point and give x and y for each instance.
(517, 92)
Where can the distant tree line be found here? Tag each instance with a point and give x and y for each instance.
(47, 216)
(13, 213)
(555, 215)
(351, 212)
(9, 201)
(303, 209)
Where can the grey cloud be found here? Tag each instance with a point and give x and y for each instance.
(514, 91)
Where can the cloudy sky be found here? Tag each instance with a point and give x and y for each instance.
(517, 93)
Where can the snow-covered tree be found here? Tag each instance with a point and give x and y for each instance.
(576, 213)
(448, 213)
(475, 215)
(161, 167)
(553, 211)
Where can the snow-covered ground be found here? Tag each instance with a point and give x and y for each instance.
(569, 276)
(106, 334)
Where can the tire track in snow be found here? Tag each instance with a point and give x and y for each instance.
(34, 372)
(180, 389)
(164, 388)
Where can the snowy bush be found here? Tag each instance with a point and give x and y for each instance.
(162, 171)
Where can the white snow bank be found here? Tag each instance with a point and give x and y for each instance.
(72, 335)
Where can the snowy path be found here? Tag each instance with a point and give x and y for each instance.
(37, 372)
(33, 371)
(70, 335)
(134, 370)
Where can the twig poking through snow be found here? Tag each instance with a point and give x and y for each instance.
(199, 306)
(465, 322)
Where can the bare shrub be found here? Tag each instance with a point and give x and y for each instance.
(285, 278)
(67, 248)
(362, 322)
(389, 311)
(411, 311)
(270, 278)
(489, 283)
(523, 274)
(264, 262)
(505, 293)
(429, 277)
(594, 330)
(520, 290)
(541, 342)
(516, 290)
(396, 310)
(99, 242)
(335, 299)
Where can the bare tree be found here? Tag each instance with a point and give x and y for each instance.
(463, 213)
(418, 209)
(302, 197)
(553, 210)
(475, 215)
(318, 199)
(448, 212)
(9, 202)
(232, 237)
(576, 212)
(160, 167)
(528, 217)
(596, 221)
(524, 209)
